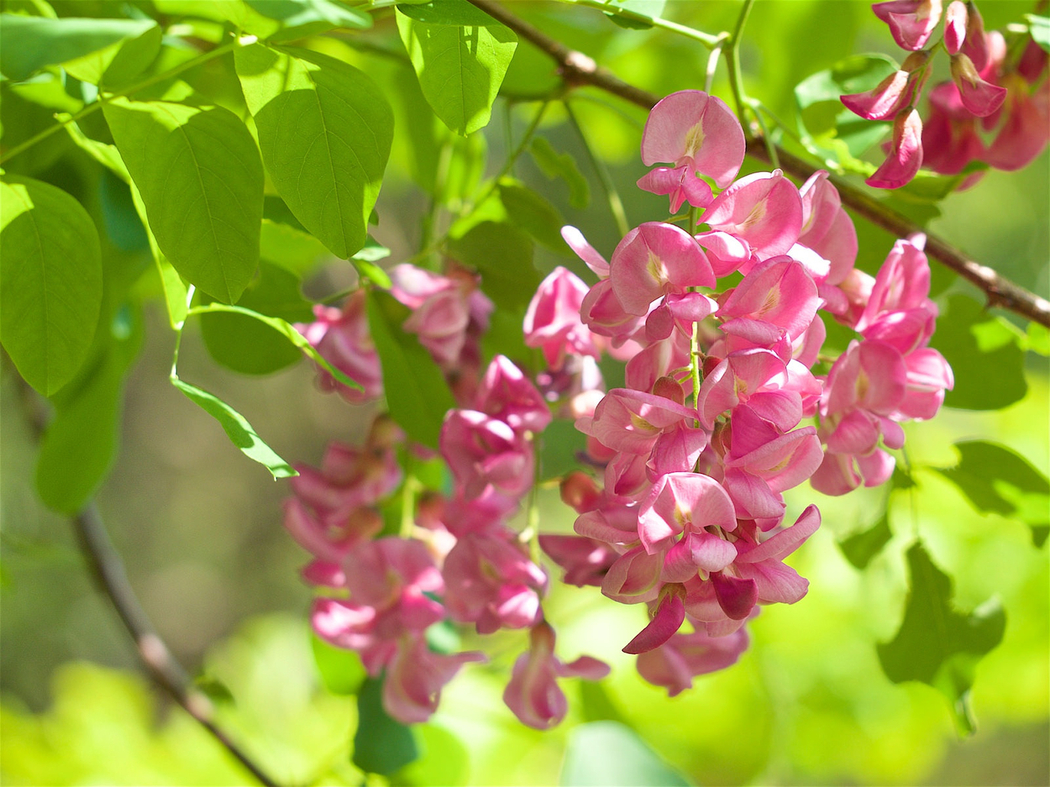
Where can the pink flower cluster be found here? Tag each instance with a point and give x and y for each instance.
(686, 513)
(995, 88)
(707, 435)
(449, 316)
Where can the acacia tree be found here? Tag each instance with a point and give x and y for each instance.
(673, 382)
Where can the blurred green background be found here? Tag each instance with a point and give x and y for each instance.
(199, 527)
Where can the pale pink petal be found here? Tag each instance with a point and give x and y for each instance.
(585, 251)
(654, 259)
(764, 209)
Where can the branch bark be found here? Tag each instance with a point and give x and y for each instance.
(108, 570)
(579, 69)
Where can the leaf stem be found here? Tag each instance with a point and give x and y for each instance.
(708, 40)
(96, 105)
(611, 194)
(732, 56)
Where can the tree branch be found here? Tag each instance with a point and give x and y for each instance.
(579, 69)
(108, 569)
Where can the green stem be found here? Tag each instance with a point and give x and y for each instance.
(771, 149)
(190, 291)
(611, 194)
(93, 107)
(706, 39)
(508, 165)
(732, 55)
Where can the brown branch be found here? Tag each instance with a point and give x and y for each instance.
(579, 69)
(108, 570)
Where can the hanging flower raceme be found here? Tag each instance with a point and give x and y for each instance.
(681, 508)
(998, 91)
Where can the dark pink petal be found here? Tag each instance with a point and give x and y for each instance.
(751, 496)
(692, 127)
(883, 101)
(507, 394)
(1024, 134)
(783, 543)
(670, 614)
(585, 560)
(735, 596)
(905, 158)
(775, 583)
(680, 184)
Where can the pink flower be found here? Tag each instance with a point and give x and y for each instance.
(533, 693)
(955, 23)
(680, 184)
(491, 582)
(911, 21)
(343, 339)
(553, 322)
(692, 129)
(654, 259)
(507, 394)
(632, 421)
(905, 156)
(584, 560)
(764, 209)
(897, 91)
(415, 676)
(674, 664)
(978, 96)
(686, 502)
(778, 291)
(482, 451)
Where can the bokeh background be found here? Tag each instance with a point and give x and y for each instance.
(199, 526)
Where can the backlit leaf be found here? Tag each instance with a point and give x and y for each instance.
(503, 255)
(201, 181)
(238, 429)
(985, 356)
(29, 43)
(50, 281)
(325, 131)
(460, 65)
(937, 644)
(561, 165)
(996, 480)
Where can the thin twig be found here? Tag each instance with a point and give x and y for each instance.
(107, 568)
(579, 69)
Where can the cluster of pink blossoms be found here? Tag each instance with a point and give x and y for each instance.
(997, 87)
(686, 514)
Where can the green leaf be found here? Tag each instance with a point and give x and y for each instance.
(861, 547)
(416, 392)
(560, 445)
(445, 761)
(607, 752)
(201, 181)
(985, 356)
(78, 449)
(829, 130)
(118, 63)
(295, 14)
(381, 744)
(29, 43)
(50, 281)
(996, 480)
(460, 65)
(325, 131)
(341, 670)
(503, 255)
(283, 327)
(534, 214)
(936, 644)
(1038, 339)
(446, 12)
(245, 344)
(238, 429)
(561, 165)
(1039, 27)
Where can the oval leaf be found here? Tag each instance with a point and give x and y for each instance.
(238, 429)
(201, 181)
(325, 131)
(50, 281)
(460, 68)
